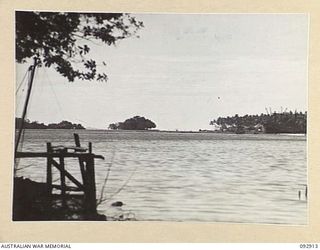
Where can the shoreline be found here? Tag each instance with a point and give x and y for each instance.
(172, 131)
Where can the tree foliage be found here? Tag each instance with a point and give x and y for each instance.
(287, 122)
(36, 125)
(135, 123)
(61, 40)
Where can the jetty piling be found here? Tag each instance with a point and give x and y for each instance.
(56, 159)
(49, 170)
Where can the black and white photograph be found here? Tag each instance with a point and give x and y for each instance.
(173, 117)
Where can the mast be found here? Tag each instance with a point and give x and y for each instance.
(33, 69)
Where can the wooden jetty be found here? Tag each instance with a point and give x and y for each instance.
(86, 188)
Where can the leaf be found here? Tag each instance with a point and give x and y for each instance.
(56, 39)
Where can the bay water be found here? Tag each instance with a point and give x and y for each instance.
(200, 177)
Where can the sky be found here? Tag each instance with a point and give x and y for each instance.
(183, 71)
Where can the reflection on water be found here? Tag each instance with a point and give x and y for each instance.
(190, 176)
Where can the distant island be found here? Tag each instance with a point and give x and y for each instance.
(286, 122)
(134, 123)
(36, 125)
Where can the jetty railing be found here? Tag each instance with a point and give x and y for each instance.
(56, 156)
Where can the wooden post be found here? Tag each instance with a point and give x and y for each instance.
(49, 170)
(90, 147)
(62, 177)
(90, 195)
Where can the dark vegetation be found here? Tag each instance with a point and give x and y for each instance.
(286, 122)
(62, 39)
(31, 203)
(135, 123)
(36, 125)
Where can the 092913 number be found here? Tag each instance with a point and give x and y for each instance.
(307, 246)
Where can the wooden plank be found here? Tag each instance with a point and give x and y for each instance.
(55, 155)
(67, 174)
(67, 188)
(76, 149)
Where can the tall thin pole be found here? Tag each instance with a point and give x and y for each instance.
(33, 69)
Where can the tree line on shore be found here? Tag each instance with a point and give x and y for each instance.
(286, 122)
(134, 123)
(36, 125)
